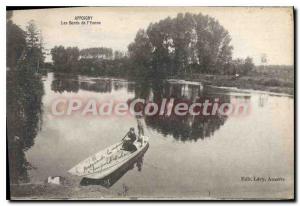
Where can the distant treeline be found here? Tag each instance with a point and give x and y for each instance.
(186, 44)
(97, 61)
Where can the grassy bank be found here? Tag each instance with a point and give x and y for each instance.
(44, 191)
(272, 79)
(48, 191)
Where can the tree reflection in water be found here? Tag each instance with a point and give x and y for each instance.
(24, 110)
(187, 127)
(98, 85)
(183, 128)
(24, 118)
(72, 83)
(65, 82)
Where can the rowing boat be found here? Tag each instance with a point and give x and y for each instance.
(107, 161)
(112, 178)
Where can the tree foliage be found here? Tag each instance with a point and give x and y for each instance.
(34, 46)
(98, 61)
(15, 42)
(96, 53)
(23, 47)
(65, 59)
(187, 43)
(24, 95)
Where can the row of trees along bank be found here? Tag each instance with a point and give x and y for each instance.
(186, 44)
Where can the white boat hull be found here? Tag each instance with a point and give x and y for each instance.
(107, 161)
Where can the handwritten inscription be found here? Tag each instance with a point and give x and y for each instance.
(112, 155)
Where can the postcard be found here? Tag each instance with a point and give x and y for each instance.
(150, 103)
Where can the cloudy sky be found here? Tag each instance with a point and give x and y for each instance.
(253, 30)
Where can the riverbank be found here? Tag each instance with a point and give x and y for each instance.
(254, 82)
(276, 79)
(45, 191)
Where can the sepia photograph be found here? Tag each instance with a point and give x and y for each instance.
(150, 103)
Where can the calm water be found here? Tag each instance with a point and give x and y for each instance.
(191, 157)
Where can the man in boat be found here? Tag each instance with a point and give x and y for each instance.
(129, 140)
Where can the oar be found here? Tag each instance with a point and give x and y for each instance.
(123, 139)
(125, 136)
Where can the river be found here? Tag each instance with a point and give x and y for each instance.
(204, 157)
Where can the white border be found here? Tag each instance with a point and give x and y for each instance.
(3, 201)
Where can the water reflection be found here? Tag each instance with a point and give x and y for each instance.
(24, 110)
(72, 83)
(262, 100)
(111, 179)
(187, 127)
(118, 85)
(64, 82)
(24, 115)
(183, 128)
(99, 85)
(60, 134)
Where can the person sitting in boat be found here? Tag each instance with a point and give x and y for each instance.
(129, 140)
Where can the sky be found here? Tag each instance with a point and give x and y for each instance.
(254, 30)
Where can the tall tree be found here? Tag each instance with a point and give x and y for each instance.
(15, 42)
(34, 54)
(24, 101)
